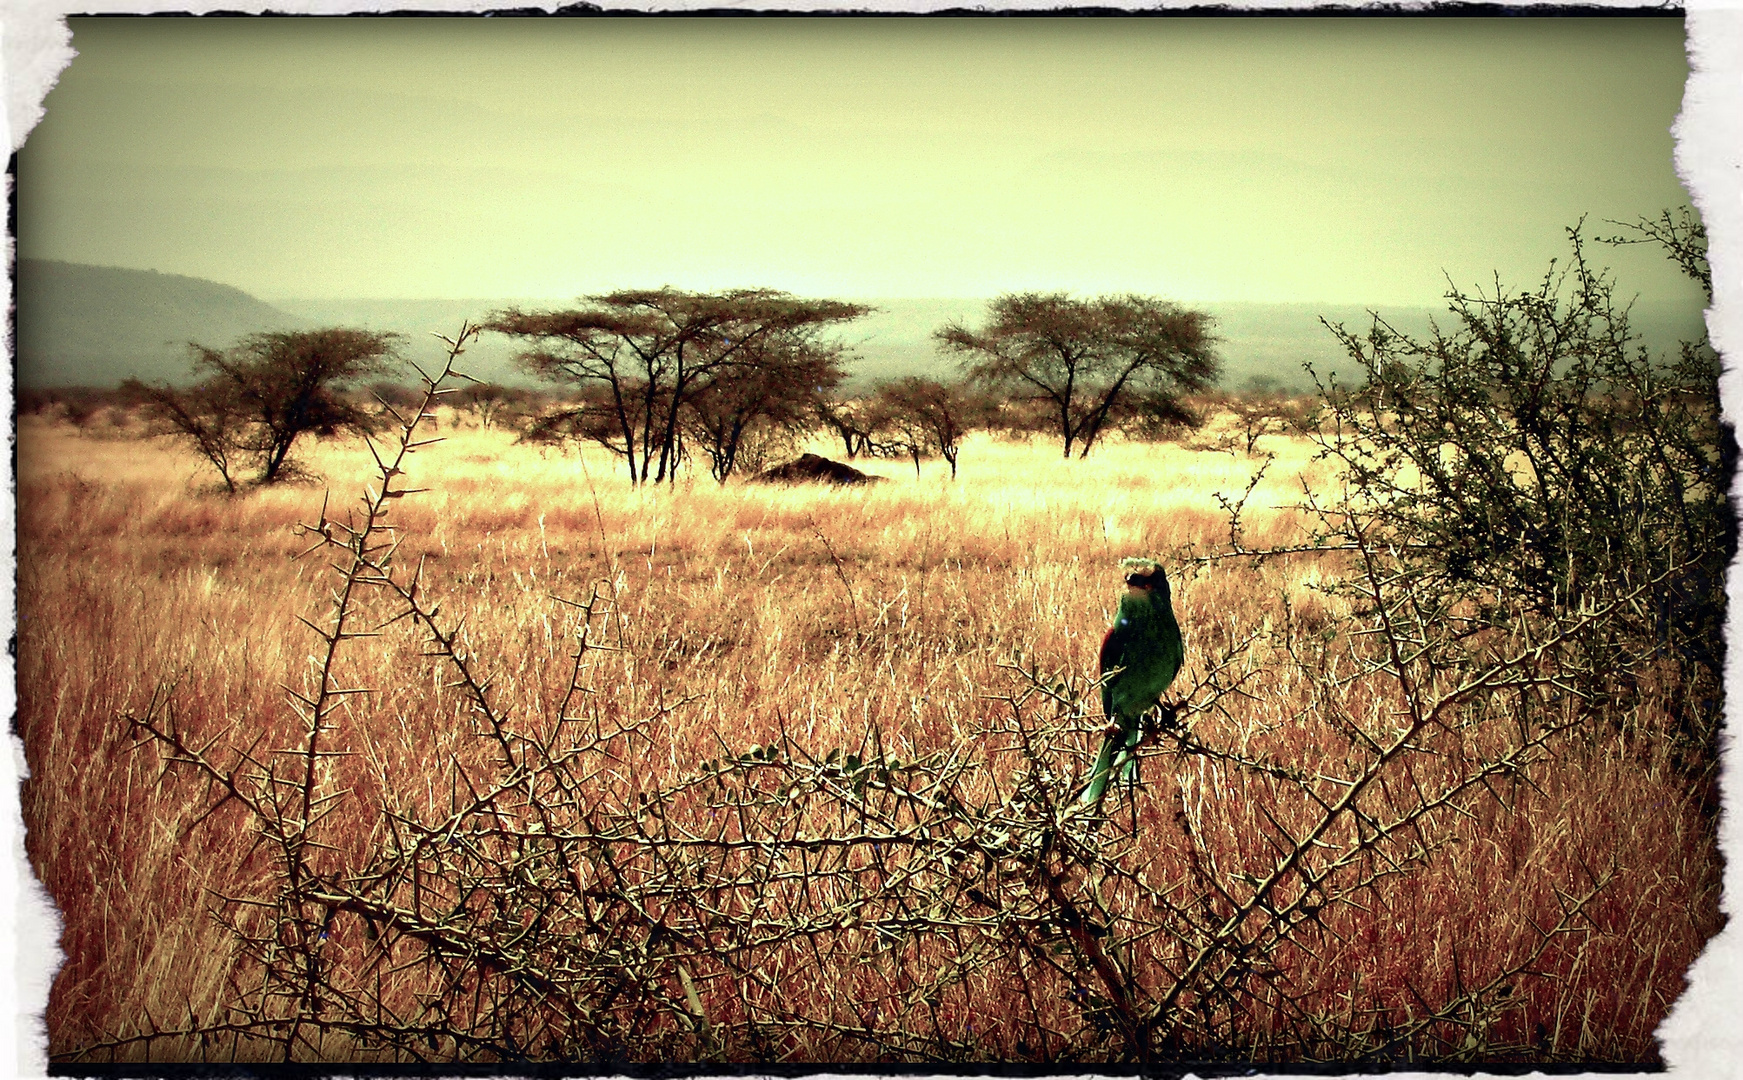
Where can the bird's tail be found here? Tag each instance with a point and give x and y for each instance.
(1117, 758)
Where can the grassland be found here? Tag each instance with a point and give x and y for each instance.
(751, 613)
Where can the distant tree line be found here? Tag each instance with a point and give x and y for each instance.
(666, 377)
(663, 374)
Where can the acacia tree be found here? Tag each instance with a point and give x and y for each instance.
(585, 414)
(922, 415)
(1159, 417)
(652, 350)
(781, 384)
(204, 415)
(851, 421)
(491, 403)
(261, 396)
(1085, 360)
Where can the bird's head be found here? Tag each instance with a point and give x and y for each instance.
(1144, 574)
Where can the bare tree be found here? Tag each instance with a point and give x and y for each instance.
(1086, 359)
(1265, 412)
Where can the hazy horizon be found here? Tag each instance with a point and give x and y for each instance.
(96, 326)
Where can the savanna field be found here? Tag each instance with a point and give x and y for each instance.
(802, 618)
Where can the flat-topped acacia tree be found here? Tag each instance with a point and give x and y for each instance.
(259, 397)
(646, 354)
(1087, 361)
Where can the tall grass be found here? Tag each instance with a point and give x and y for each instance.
(802, 618)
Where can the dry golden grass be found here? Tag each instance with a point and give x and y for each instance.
(810, 611)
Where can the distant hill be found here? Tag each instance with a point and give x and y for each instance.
(96, 325)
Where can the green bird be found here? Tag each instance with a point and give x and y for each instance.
(1143, 651)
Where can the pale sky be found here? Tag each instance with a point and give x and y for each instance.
(1274, 159)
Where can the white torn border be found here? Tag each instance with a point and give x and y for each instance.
(1703, 1035)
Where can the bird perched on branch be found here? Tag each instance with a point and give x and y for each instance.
(1139, 658)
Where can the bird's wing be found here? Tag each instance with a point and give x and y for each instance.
(1113, 653)
(1113, 648)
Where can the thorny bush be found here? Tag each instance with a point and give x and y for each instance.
(1535, 457)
